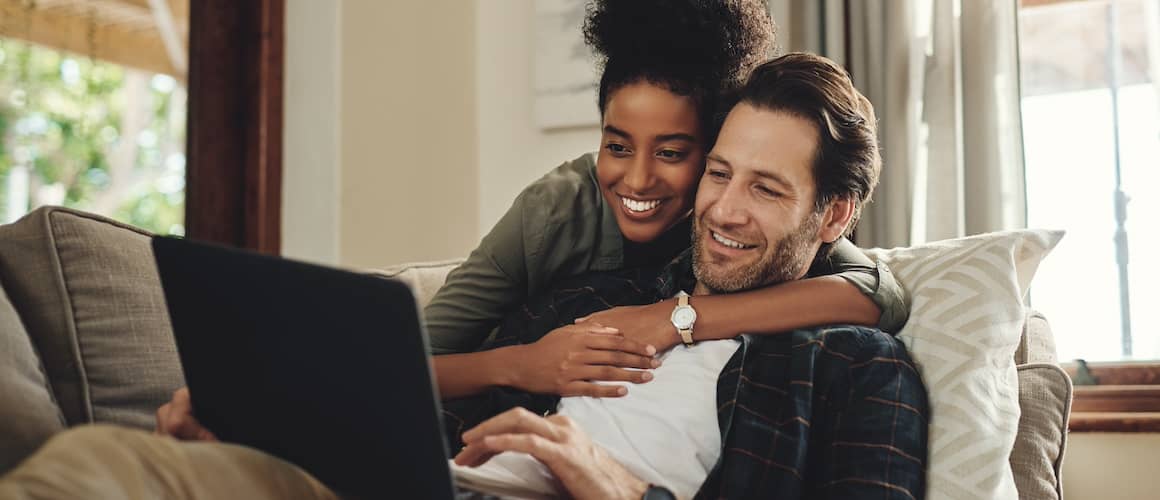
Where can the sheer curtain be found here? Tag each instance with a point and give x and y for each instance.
(943, 77)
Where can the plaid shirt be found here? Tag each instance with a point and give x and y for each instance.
(832, 412)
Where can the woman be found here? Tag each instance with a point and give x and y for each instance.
(665, 66)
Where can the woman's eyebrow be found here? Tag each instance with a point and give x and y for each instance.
(609, 129)
(679, 136)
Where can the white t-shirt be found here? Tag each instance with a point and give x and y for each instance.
(664, 431)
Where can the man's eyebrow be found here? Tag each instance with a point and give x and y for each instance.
(765, 174)
(718, 159)
(776, 178)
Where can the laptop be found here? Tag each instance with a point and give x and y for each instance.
(324, 368)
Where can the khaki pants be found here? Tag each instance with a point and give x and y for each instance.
(102, 461)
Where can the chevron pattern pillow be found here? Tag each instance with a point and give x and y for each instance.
(967, 312)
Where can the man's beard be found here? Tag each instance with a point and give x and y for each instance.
(785, 263)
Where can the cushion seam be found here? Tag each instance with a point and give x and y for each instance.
(71, 327)
(1057, 461)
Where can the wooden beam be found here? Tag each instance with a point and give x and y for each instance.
(68, 30)
(234, 167)
(1114, 422)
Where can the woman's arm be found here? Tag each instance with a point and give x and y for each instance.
(859, 292)
(563, 362)
(477, 293)
(826, 300)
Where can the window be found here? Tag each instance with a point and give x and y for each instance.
(95, 121)
(1091, 125)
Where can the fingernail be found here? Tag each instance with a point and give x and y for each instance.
(620, 391)
(646, 376)
(650, 350)
(656, 363)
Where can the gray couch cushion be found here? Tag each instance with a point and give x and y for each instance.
(88, 292)
(27, 410)
(1045, 403)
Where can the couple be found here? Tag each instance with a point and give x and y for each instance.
(816, 412)
(829, 412)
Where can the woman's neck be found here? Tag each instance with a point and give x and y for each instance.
(661, 250)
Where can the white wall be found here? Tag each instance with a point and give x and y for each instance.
(513, 151)
(310, 152)
(1111, 466)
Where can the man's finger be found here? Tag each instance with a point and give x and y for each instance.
(616, 358)
(620, 343)
(538, 447)
(473, 455)
(517, 420)
(162, 418)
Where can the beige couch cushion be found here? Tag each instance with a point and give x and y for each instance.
(424, 278)
(27, 410)
(1037, 459)
(88, 292)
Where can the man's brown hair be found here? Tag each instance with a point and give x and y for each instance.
(811, 87)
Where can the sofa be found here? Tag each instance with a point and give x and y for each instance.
(85, 338)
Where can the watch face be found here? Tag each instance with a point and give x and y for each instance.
(684, 317)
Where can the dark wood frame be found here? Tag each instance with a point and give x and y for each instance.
(234, 148)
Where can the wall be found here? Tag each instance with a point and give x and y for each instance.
(1111, 466)
(311, 159)
(409, 179)
(513, 151)
(409, 127)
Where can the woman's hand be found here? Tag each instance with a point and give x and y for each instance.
(583, 467)
(175, 418)
(650, 324)
(569, 359)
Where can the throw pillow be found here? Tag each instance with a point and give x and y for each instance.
(967, 312)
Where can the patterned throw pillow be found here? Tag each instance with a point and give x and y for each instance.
(966, 316)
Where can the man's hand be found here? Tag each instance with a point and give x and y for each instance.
(650, 324)
(583, 467)
(568, 359)
(175, 418)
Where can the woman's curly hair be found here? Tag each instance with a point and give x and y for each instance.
(702, 49)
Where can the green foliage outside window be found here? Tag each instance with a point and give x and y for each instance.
(90, 135)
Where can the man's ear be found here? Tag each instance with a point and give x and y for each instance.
(836, 219)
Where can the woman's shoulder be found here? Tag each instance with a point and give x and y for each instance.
(565, 192)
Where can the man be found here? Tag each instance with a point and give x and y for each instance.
(832, 413)
(825, 413)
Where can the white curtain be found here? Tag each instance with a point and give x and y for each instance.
(943, 77)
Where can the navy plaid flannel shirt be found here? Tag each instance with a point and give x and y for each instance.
(832, 412)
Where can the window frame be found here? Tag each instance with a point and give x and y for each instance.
(234, 134)
(1126, 396)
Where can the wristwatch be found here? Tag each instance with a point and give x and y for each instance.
(683, 318)
(655, 492)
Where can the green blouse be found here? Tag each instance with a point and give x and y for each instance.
(560, 226)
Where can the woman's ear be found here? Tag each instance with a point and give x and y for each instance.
(836, 219)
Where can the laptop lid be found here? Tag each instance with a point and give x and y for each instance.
(324, 368)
